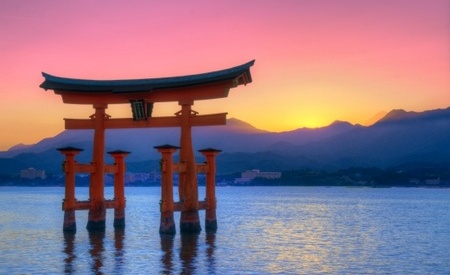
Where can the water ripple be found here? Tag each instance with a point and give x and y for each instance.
(287, 230)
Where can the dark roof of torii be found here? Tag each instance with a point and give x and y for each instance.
(241, 73)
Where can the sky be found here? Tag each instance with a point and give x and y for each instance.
(317, 61)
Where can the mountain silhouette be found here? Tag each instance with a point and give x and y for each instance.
(400, 137)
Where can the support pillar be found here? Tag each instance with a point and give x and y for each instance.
(119, 188)
(167, 224)
(211, 205)
(188, 186)
(69, 196)
(97, 211)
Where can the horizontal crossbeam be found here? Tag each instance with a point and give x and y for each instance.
(86, 205)
(153, 122)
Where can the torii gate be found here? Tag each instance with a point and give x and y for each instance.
(142, 94)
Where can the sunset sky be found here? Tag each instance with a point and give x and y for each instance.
(317, 61)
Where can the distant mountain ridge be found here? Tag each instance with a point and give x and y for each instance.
(398, 137)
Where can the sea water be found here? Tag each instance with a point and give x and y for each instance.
(262, 230)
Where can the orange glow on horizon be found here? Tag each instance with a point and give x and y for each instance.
(316, 61)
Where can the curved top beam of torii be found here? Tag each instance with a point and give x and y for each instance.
(190, 87)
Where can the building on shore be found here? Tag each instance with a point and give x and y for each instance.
(32, 173)
(249, 175)
(153, 176)
(435, 181)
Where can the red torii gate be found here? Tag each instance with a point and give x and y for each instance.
(142, 94)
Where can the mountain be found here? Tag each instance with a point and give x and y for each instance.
(374, 119)
(19, 147)
(398, 114)
(235, 136)
(397, 138)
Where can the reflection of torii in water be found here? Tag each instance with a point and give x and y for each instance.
(141, 94)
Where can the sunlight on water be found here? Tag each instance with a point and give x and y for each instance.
(262, 230)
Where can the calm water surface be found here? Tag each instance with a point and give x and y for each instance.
(262, 230)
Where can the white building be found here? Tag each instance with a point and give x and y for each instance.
(249, 175)
(255, 173)
(32, 173)
(433, 181)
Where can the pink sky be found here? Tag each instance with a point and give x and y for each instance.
(316, 61)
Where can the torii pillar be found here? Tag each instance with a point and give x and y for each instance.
(119, 187)
(188, 186)
(167, 224)
(69, 202)
(211, 204)
(97, 211)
